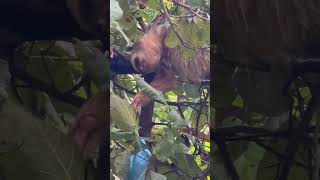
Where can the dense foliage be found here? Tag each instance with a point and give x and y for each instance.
(179, 141)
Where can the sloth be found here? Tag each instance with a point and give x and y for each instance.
(150, 54)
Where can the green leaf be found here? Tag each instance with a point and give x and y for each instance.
(155, 176)
(305, 94)
(187, 54)
(187, 164)
(94, 62)
(176, 119)
(35, 149)
(266, 171)
(203, 33)
(247, 164)
(122, 164)
(163, 150)
(190, 34)
(171, 40)
(169, 136)
(119, 37)
(192, 90)
(147, 14)
(124, 5)
(115, 10)
(180, 148)
(154, 4)
(120, 135)
(122, 114)
(149, 90)
(218, 169)
(202, 120)
(53, 115)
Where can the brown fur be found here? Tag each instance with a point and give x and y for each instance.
(151, 55)
(273, 32)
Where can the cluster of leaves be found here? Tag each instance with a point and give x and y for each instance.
(175, 153)
(271, 102)
(36, 144)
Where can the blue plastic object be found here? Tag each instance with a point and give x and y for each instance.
(139, 164)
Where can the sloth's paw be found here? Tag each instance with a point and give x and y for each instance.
(140, 100)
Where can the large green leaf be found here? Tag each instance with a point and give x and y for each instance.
(203, 120)
(187, 54)
(122, 164)
(115, 10)
(192, 90)
(164, 150)
(187, 164)
(218, 169)
(36, 150)
(171, 40)
(122, 114)
(248, 163)
(268, 168)
(177, 120)
(95, 63)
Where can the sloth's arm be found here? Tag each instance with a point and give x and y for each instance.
(164, 81)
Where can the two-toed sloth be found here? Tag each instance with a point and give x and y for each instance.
(150, 54)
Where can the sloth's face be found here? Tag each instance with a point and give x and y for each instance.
(147, 52)
(146, 59)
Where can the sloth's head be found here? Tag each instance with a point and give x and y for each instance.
(147, 51)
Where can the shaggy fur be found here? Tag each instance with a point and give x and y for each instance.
(151, 55)
(274, 32)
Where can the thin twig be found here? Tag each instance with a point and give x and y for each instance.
(189, 8)
(279, 155)
(199, 114)
(296, 136)
(184, 43)
(170, 103)
(186, 16)
(222, 147)
(78, 85)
